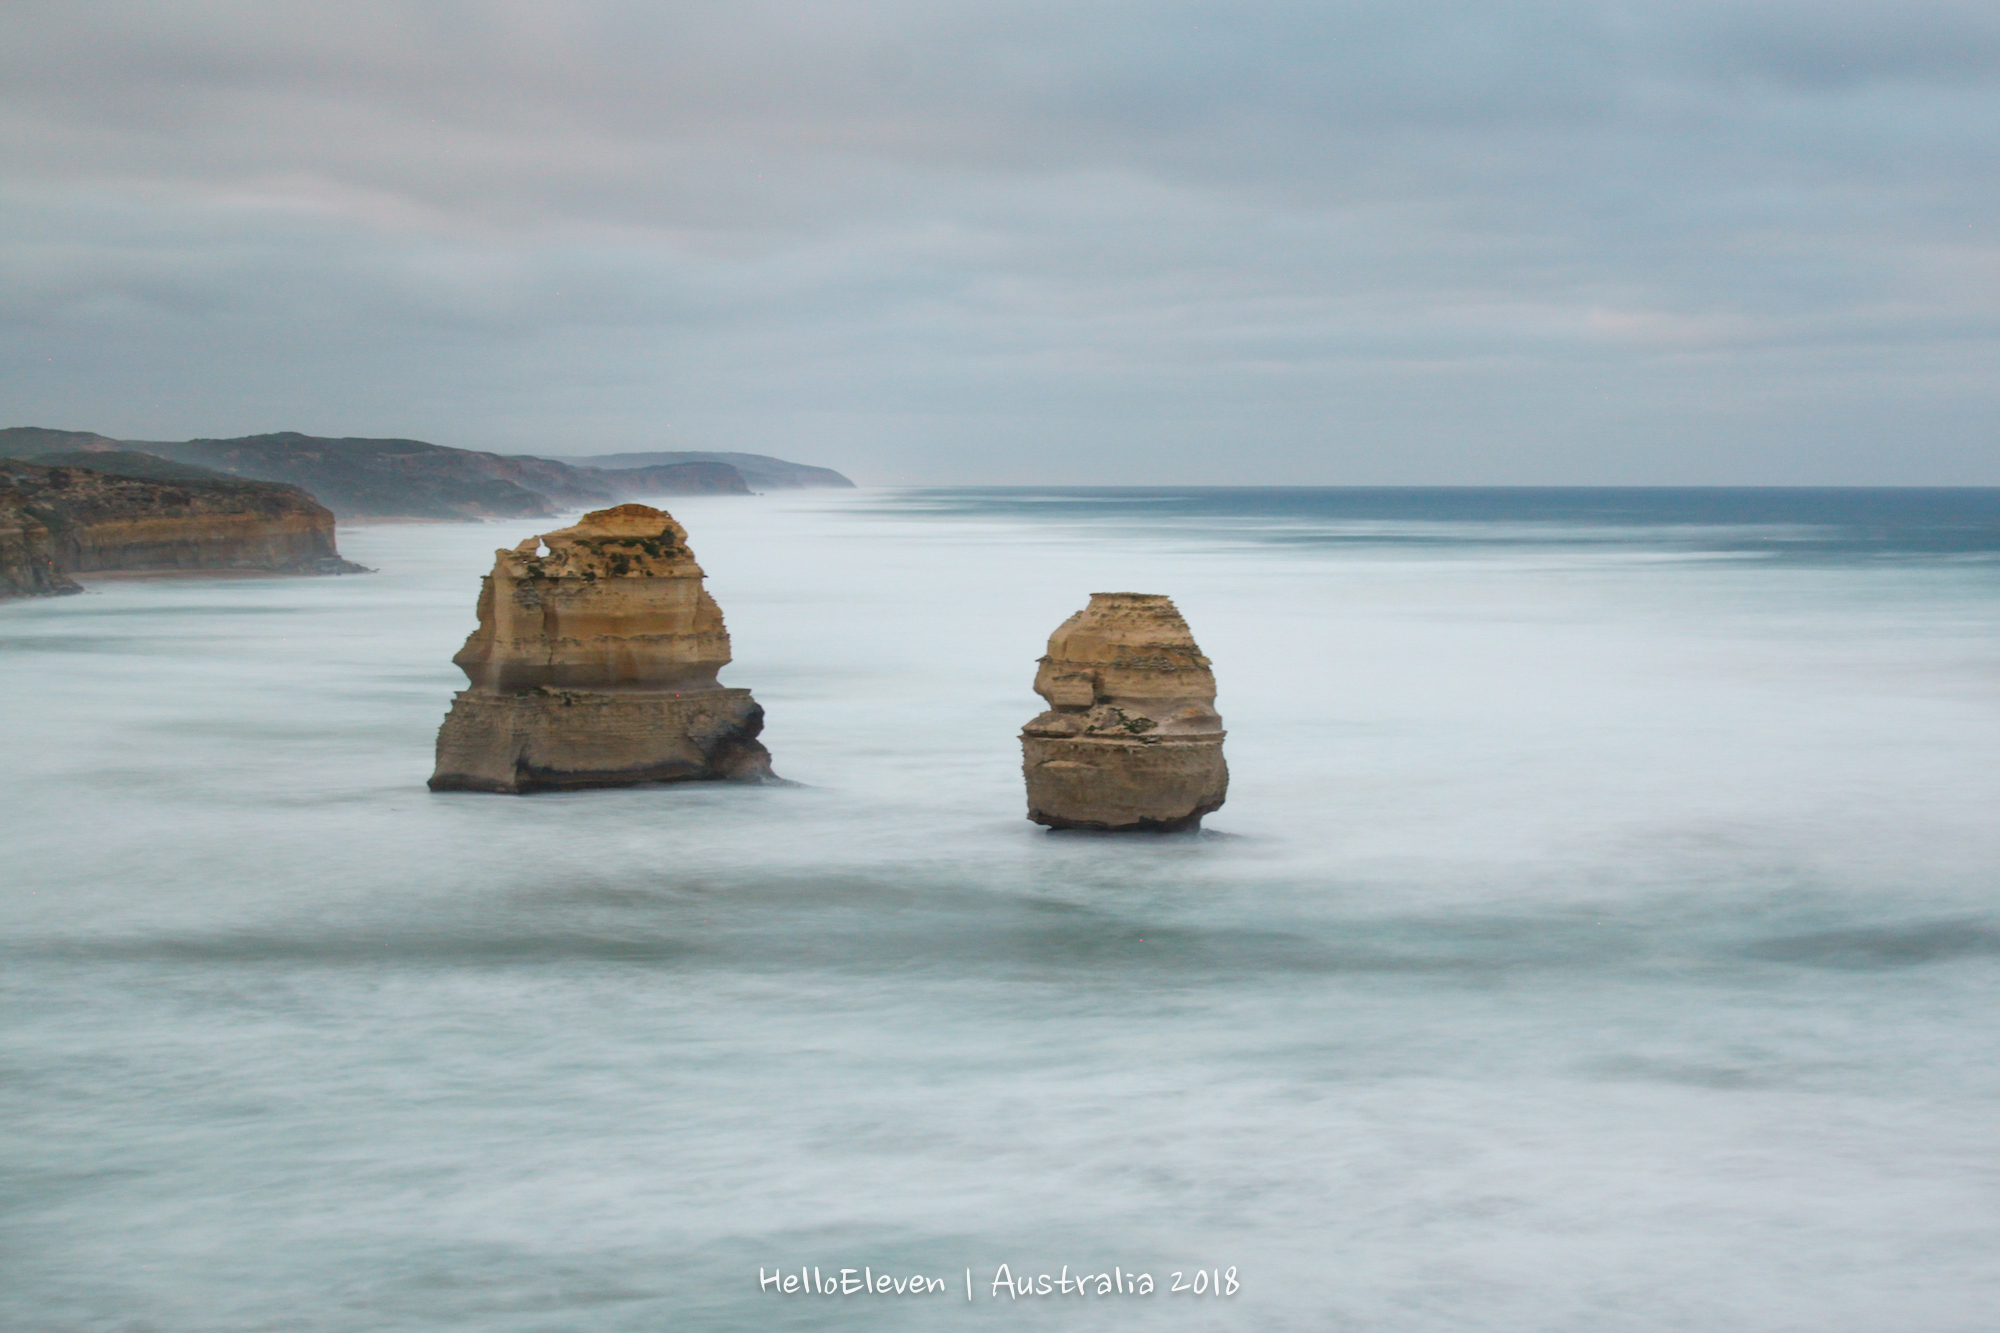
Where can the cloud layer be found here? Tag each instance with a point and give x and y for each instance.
(1170, 242)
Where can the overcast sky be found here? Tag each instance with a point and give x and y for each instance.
(1320, 243)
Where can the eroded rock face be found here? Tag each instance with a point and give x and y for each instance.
(594, 665)
(28, 566)
(56, 521)
(1131, 741)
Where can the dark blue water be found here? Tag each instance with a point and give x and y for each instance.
(1779, 522)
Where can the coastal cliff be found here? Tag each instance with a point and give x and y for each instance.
(27, 551)
(392, 478)
(58, 521)
(760, 470)
(364, 478)
(594, 665)
(697, 478)
(387, 478)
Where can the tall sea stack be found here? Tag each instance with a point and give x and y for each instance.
(594, 665)
(1131, 741)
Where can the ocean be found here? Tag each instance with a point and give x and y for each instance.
(1600, 935)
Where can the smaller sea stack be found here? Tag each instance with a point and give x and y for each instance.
(1131, 741)
(594, 665)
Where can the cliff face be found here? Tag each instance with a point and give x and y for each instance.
(760, 470)
(672, 479)
(594, 665)
(129, 463)
(363, 478)
(389, 478)
(615, 602)
(27, 552)
(1131, 740)
(89, 520)
(394, 478)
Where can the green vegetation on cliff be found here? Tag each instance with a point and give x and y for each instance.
(362, 478)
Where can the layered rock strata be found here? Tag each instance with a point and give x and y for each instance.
(595, 665)
(1131, 741)
(28, 565)
(57, 521)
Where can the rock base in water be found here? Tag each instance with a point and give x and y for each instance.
(1131, 741)
(555, 740)
(1123, 786)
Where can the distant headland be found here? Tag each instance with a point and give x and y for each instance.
(760, 470)
(74, 501)
(363, 478)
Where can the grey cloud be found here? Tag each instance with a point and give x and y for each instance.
(1592, 242)
(1830, 47)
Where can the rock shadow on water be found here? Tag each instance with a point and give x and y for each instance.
(1166, 837)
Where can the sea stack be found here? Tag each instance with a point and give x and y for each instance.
(1131, 741)
(594, 665)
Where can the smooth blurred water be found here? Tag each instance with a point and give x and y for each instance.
(1600, 935)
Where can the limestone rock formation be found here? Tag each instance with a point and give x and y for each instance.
(56, 521)
(28, 565)
(594, 665)
(1131, 741)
